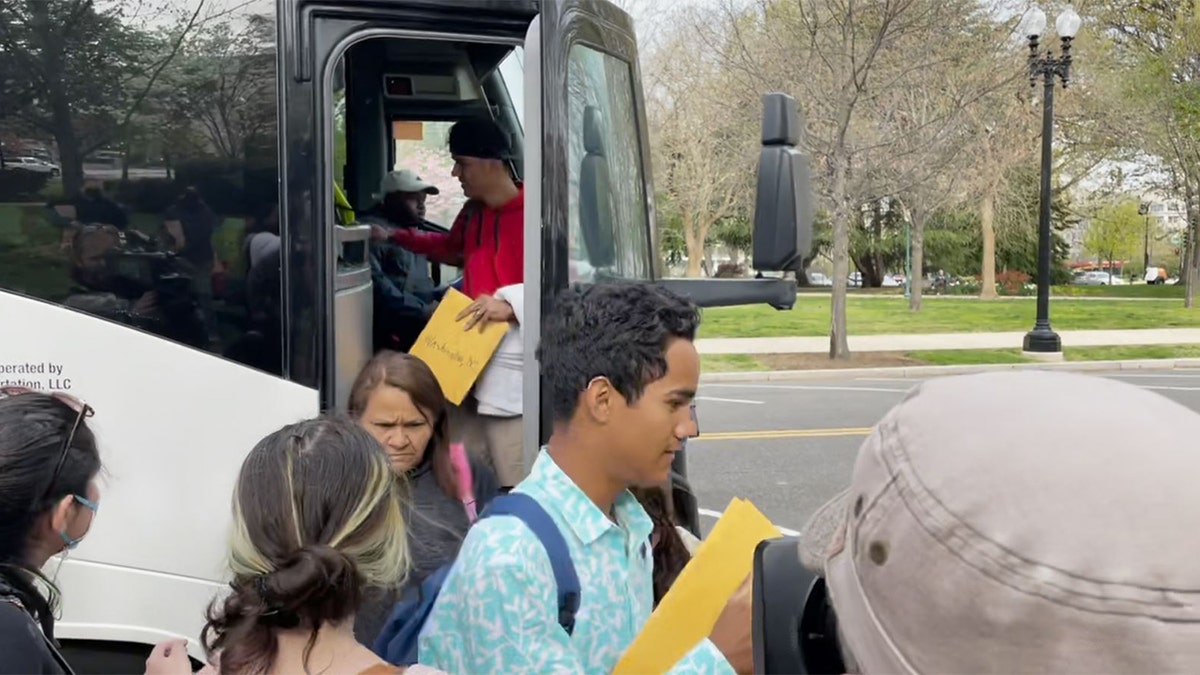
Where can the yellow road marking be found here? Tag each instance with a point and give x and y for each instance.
(779, 433)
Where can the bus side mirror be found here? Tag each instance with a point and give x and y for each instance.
(783, 209)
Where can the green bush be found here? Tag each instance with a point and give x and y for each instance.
(230, 188)
(22, 185)
(152, 195)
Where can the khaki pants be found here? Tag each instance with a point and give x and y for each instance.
(498, 442)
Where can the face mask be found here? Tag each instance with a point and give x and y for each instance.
(94, 507)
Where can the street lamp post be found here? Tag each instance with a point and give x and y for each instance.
(1042, 339)
(1144, 210)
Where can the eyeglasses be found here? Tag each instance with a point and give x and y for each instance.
(695, 420)
(82, 411)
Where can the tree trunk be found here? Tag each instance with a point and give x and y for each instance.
(877, 258)
(125, 162)
(987, 215)
(69, 157)
(839, 345)
(1192, 209)
(68, 151)
(917, 260)
(695, 250)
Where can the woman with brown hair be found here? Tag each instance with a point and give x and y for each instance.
(398, 400)
(315, 522)
(671, 546)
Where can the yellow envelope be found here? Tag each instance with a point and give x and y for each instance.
(456, 356)
(690, 609)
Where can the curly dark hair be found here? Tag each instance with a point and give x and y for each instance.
(619, 331)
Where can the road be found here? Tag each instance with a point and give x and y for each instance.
(788, 447)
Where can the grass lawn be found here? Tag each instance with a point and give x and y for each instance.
(1130, 291)
(711, 363)
(882, 316)
(32, 261)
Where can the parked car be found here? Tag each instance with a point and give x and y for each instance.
(31, 164)
(1098, 278)
(819, 279)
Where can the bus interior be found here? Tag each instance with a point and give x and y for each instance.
(390, 103)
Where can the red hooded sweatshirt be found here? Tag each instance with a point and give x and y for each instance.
(488, 243)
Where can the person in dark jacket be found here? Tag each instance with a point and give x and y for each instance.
(405, 296)
(398, 400)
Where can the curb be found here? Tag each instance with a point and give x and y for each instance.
(915, 372)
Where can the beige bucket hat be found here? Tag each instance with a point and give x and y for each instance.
(1019, 522)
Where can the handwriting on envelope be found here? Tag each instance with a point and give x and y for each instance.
(456, 356)
(690, 609)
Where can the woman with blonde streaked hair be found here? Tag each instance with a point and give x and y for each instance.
(316, 520)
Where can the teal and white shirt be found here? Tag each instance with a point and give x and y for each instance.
(498, 609)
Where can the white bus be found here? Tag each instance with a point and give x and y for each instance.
(263, 107)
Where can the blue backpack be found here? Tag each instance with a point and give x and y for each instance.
(397, 642)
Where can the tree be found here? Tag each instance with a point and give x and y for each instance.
(80, 72)
(838, 57)
(221, 80)
(703, 155)
(735, 233)
(877, 240)
(672, 247)
(1017, 224)
(1153, 45)
(1115, 231)
(933, 123)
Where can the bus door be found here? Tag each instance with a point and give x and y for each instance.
(350, 70)
(583, 99)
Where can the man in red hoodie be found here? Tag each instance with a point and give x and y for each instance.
(487, 240)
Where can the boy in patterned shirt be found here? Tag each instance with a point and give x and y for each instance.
(623, 374)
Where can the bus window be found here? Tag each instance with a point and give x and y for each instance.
(512, 73)
(609, 235)
(421, 146)
(177, 232)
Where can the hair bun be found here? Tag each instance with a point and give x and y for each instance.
(315, 581)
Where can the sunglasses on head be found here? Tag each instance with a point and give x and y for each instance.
(82, 410)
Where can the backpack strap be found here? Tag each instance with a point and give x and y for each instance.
(530, 512)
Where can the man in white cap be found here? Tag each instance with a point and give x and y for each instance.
(404, 291)
(1012, 523)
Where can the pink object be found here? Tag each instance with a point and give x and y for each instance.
(466, 487)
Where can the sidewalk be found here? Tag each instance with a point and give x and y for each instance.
(923, 372)
(945, 341)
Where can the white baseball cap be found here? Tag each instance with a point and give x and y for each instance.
(1019, 522)
(403, 181)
